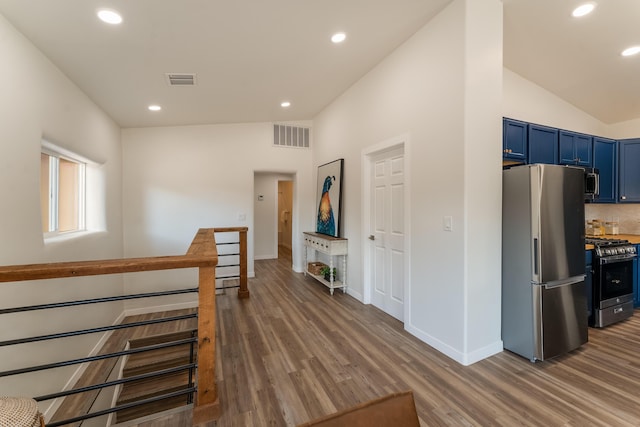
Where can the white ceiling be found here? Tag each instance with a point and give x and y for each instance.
(578, 59)
(249, 55)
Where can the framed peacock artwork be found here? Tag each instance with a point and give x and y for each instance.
(329, 198)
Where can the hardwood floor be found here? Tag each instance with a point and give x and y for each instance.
(292, 352)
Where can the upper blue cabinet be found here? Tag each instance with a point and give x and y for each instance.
(575, 149)
(605, 158)
(543, 144)
(629, 171)
(514, 140)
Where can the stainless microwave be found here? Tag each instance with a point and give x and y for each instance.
(591, 184)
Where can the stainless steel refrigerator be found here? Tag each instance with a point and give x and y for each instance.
(544, 301)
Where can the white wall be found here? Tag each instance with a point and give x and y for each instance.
(448, 102)
(625, 130)
(265, 235)
(524, 100)
(482, 171)
(38, 101)
(180, 179)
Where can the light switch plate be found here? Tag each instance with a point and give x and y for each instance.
(447, 223)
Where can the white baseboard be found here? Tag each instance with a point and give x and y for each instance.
(483, 353)
(462, 358)
(357, 295)
(261, 257)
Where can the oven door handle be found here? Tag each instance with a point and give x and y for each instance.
(615, 259)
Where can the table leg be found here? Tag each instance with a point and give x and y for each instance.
(331, 278)
(344, 274)
(306, 265)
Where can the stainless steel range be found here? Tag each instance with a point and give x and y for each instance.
(612, 294)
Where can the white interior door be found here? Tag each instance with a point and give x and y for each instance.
(387, 232)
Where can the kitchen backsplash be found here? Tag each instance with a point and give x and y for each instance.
(628, 215)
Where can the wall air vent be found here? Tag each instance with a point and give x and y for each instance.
(180, 79)
(290, 136)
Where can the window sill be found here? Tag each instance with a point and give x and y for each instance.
(67, 236)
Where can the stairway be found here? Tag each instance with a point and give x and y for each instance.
(152, 361)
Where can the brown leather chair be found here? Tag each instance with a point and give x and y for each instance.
(397, 410)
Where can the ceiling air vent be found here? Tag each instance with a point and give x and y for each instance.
(181, 79)
(290, 136)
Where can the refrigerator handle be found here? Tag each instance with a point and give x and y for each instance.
(566, 282)
(535, 256)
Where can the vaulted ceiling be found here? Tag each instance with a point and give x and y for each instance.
(248, 56)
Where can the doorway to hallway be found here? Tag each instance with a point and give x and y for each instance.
(273, 215)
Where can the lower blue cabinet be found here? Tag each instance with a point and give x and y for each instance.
(636, 274)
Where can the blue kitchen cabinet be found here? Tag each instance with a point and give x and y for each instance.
(514, 140)
(629, 171)
(588, 280)
(575, 148)
(605, 159)
(543, 144)
(636, 281)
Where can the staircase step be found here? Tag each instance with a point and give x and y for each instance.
(156, 360)
(149, 387)
(150, 408)
(159, 339)
(180, 416)
(152, 361)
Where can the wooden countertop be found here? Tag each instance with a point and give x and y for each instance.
(632, 238)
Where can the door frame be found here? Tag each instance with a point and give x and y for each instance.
(295, 246)
(400, 141)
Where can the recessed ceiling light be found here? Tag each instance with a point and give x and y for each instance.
(338, 37)
(583, 9)
(631, 51)
(109, 16)
(154, 108)
(285, 104)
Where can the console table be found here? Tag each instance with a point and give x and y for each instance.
(332, 246)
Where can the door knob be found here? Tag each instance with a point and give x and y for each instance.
(372, 237)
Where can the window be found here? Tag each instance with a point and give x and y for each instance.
(62, 192)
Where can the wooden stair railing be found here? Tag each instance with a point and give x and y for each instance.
(202, 254)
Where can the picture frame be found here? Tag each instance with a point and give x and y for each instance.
(329, 198)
